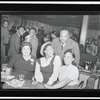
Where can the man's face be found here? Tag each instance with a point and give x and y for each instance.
(32, 32)
(21, 31)
(5, 24)
(31, 24)
(64, 35)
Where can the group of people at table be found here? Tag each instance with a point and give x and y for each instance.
(58, 66)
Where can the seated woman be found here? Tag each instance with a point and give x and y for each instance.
(47, 67)
(23, 63)
(68, 75)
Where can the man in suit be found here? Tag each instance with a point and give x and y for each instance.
(15, 42)
(63, 43)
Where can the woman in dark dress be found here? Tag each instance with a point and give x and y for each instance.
(47, 67)
(23, 63)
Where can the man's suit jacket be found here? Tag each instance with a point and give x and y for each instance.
(5, 35)
(14, 45)
(70, 44)
(34, 42)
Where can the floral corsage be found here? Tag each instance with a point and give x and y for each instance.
(32, 61)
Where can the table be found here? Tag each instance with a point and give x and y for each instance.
(27, 84)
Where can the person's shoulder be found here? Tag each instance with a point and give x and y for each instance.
(18, 56)
(63, 68)
(14, 35)
(73, 42)
(74, 67)
(55, 40)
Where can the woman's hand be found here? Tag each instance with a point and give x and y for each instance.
(34, 82)
(8, 69)
(47, 86)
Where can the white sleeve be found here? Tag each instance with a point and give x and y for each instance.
(38, 74)
(74, 74)
(56, 68)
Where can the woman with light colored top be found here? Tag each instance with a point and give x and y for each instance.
(68, 75)
(47, 67)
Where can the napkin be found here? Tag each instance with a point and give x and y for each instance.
(5, 76)
(15, 83)
(9, 77)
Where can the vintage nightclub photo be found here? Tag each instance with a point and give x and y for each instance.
(50, 51)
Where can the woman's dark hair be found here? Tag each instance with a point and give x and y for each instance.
(46, 47)
(71, 51)
(26, 44)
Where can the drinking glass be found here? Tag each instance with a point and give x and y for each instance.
(21, 77)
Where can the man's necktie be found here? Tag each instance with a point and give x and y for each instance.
(21, 39)
(62, 46)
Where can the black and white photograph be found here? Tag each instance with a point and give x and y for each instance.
(56, 50)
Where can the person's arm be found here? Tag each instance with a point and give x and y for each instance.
(74, 75)
(77, 54)
(57, 66)
(38, 75)
(11, 64)
(59, 84)
(17, 44)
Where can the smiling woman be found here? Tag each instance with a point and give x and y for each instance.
(47, 67)
(23, 63)
(68, 75)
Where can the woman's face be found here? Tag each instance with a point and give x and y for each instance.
(49, 51)
(68, 58)
(26, 50)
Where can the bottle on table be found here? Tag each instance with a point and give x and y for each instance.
(86, 65)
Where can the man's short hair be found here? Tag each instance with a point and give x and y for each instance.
(33, 28)
(20, 27)
(66, 29)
